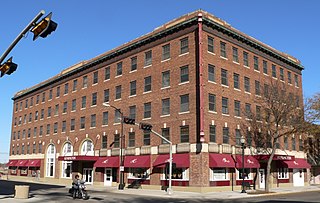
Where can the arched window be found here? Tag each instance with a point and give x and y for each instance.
(51, 154)
(67, 165)
(87, 148)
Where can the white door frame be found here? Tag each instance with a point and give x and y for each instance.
(84, 176)
(108, 177)
(262, 178)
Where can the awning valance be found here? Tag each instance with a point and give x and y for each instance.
(142, 161)
(181, 160)
(221, 161)
(12, 163)
(297, 163)
(249, 162)
(22, 163)
(34, 163)
(110, 161)
(78, 158)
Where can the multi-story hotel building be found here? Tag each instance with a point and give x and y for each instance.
(189, 78)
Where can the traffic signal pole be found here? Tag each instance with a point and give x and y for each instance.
(19, 37)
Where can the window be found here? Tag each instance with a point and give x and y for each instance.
(94, 99)
(147, 110)
(146, 138)
(166, 79)
(165, 106)
(184, 45)
(166, 52)
(246, 173)
(56, 110)
(301, 148)
(133, 88)
(132, 112)
(283, 173)
(85, 82)
(50, 163)
(210, 44)
(75, 84)
(95, 77)
(293, 143)
(65, 107)
(184, 103)
(285, 140)
(55, 127)
(132, 139)
(289, 77)
(87, 148)
(237, 108)
(117, 116)
(74, 105)
(265, 67)
(224, 77)
(166, 134)
(26, 106)
(274, 72)
(219, 174)
(147, 84)
(40, 148)
(104, 142)
(225, 134)
(105, 119)
(106, 95)
(257, 87)
(118, 92)
(184, 74)
(107, 73)
(245, 59)
(49, 112)
(212, 102)
(211, 73)
(235, 56)
(236, 81)
(258, 113)
(93, 121)
(246, 84)
(238, 136)
(296, 81)
(212, 131)
(72, 124)
(66, 88)
(148, 58)
(116, 140)
(40, 132)
(248, 110)
(225, 105)
(223, 52)
(184, 134)
(67, 165)
(119, 68)
(43, 98)
(64, 126)
(36, 115)
(82, 122)
(281, 74)
(134, 65)
(34, 148)
(256, 63)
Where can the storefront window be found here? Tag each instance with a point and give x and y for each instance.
(67, 165)
(24, 171)
(247, 174)
(50, 166)
(283, 173)
(177, 174)
(13, 171)
(139, 173)
(219, 174)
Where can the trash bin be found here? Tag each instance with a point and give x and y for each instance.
(21, 192)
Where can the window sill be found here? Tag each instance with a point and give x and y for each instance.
(183, 83)
(226, 86)
(224, 58)
(246, 66)
(212, 53)
(180, 113)
(184, 54)
(167, 115)
(147, 66)
(164, 60)
(236, 62)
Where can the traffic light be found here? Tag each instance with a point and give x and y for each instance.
(130, 121)
(44, 27)
(8, 67)
(145, 126)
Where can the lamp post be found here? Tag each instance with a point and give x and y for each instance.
(121, 168)
(242, 140)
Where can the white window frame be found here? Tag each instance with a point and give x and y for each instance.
(84, 148)
(283, 173)
(67, 151)
(215, 178)
(185, 175)
(146, 174)
(51, 154)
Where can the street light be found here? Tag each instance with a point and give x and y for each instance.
(121, 168)
(242, 140)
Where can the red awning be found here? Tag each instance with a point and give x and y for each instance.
(22, 163)
(34, 163)
(181, 160)
(142, 161)
(12, 163)
(249, 161)
(78, 158)
(110, 161)
(221, 161)
(297, 163)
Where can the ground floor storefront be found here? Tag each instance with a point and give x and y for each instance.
(223, 171)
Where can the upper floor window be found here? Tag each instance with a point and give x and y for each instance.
(245, 59)
(224, 77)
(133, 88)
(65, 107)
(212, 102)
(274, 71)
(148, 58)
(94, 99)
(66, 88)
(105, 118)
(87, 148)
(236, 81)
(211, 73)
(184, 74)
(289, 77)
(223, 52)
(166, 52)
(83, 102)
(246, 84)
(184, 133)
(225, 105)
(50, 95)
(281, 74)
(93, 120)
(210, 44)
(58, 92)
(147, 84)
(119, 68)
(166, 79)
(43, 97)
(74, 105)
(256, 63)
(85, 81)
(83, 122)
(134, 65)
(235, 55)
(184, 103)
(166, 106)
(184, 45)
(147, 110)
(132, 111)
(225, 135)
(95, 77)
(75, 83)
(107, 73)
(296, 80)
(106, 95)
(118, 92)
(265, 67)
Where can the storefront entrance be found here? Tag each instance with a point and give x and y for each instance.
(298, 177)
(88, 175)
(262, 179)
(108, 177)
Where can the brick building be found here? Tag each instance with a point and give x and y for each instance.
(188, 78)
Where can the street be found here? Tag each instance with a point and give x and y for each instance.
(53, 193)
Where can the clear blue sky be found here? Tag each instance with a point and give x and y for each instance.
(89, 28)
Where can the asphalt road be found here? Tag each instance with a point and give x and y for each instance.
(42, 193)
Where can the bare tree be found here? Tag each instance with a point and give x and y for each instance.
(278, 113)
